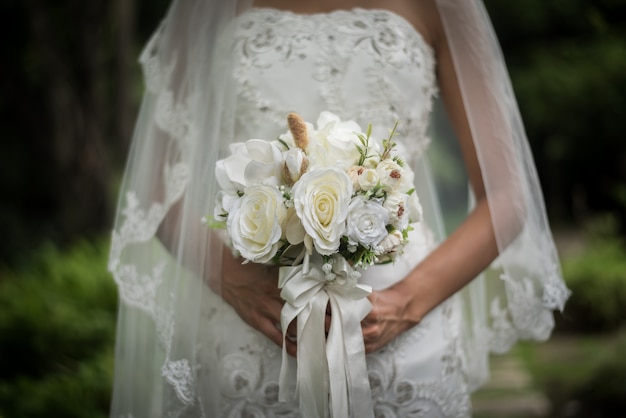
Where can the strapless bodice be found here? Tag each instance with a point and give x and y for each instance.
(368, 65)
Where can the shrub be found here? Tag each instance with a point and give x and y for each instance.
(600, 393)
(57, 327)
(597, 279)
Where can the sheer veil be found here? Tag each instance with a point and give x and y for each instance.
(515, 297)
(165, 261)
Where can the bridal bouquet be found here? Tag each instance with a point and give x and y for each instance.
(321, 203)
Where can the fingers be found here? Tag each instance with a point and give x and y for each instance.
(327, 323)
(267, 326)
(271, 329)
(292, 331)
(289, 340)
(377, 331)
(291, 348)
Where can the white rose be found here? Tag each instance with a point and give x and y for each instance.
(366, 222)
(252, 162)
(368, 179)
(397, 205)
(321, 199)
(334, 143)
(254, 223)
(391, 243)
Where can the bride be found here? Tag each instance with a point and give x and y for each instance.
(198, 331)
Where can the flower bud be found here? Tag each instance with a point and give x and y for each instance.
(294, 166)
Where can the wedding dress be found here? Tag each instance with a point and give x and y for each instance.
(370, 66)
(366, 65)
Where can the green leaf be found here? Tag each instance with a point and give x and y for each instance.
(284, 144)
(213, 223)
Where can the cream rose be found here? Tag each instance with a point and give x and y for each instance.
(321, 199)
(254, 223)
(366, 223)
(368, 179)
(391, 243)
(390, 174)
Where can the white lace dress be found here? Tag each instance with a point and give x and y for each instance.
(369, 66)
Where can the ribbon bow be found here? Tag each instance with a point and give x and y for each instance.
(332, 367)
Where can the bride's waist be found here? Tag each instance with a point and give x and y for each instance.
(420, 242)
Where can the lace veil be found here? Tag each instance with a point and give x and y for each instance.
(162, 257)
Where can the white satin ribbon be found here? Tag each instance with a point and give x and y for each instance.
(327, 368)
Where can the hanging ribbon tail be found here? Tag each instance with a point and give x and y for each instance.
(349, 382)
(305, 299)
(333, 368)
(312, 375)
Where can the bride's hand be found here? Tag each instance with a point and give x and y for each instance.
(388, 318)
(251, 289)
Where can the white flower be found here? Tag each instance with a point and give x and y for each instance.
(321, 199)
(366, 222)
(254, 223)
(252, 162)
(397, 205)
(391, 243)
(335, 142)
(390, 174)
(368, 179)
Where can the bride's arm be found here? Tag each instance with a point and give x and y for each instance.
(465, 253)
(251, 289)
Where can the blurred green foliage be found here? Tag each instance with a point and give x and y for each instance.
(57, 327)
(603, 393)
(597, 278)
(582, 377)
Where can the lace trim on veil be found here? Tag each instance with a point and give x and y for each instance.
(136, 288)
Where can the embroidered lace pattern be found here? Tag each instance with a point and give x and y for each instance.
(329, 52)
(139, 289)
